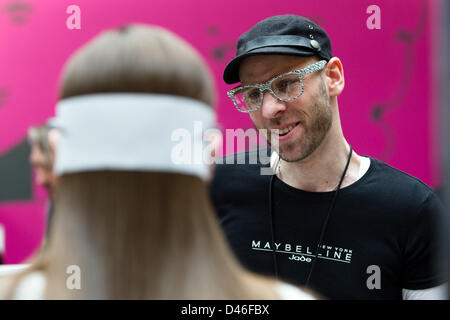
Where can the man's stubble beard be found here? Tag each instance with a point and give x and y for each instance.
(321, 117)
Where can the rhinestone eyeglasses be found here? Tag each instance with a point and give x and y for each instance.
(284, 87)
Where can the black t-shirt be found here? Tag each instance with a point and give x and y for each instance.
(382, 235)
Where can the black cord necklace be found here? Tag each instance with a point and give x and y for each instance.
(324, 225)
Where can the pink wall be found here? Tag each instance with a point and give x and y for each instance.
(388, 73)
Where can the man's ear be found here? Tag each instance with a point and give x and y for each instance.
(334, 77)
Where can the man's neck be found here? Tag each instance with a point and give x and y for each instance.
(322, 170)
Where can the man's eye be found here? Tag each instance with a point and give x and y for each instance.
(284, 84)
(254, 94)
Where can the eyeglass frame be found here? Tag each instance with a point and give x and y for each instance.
(317, 66)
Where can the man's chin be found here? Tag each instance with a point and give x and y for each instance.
(293, 155)
(290, 159)
(290, 156)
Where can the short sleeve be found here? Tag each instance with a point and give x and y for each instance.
(424, 257)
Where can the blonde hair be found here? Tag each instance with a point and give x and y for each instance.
(140, 235)
(140, 59)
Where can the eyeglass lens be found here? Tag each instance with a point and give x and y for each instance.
(284, 88)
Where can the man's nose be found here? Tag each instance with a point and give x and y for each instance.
(272, 107)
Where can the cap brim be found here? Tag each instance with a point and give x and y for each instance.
(231, 72)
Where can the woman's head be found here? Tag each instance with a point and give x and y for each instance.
(121, 95)
(135, 233)
(131, 74)
(138, 59)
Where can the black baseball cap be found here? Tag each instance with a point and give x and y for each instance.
(285, 34)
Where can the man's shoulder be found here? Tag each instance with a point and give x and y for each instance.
(241, 170)
(396, 178)
(398, 185)
(246, 163)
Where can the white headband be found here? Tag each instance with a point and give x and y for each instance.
(132, 132)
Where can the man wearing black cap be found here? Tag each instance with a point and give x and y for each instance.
(348, 226)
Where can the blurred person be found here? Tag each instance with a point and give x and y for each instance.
(41, 159)
(347, 226)
(133, 223)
